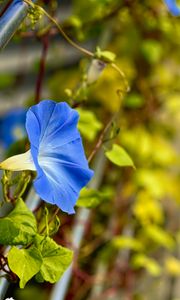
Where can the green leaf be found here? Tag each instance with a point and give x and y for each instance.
(134, 101)
(75, 21)
(56, 259)
(25, 263)
(159, 236)
(39, 278)
(148, 209)
(119, 156)
(89, 198)
(19, 227)
(151, 50)
(106, 56)
(125, 242)
(88, 124)
(141, 260)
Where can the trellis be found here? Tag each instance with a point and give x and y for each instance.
(12, 14)
(11, 18)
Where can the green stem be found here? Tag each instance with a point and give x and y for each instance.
(48, 222)
(67, 38)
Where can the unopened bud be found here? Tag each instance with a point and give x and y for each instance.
(95, 70)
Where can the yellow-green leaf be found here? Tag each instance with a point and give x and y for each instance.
(25, 263)
(55, 259)
(125, 242)
(119, 156)
(106, 56)
(19, 226)
(88, 124)
(159, 236)
(143, 261)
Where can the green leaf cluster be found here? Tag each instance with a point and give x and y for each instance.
(45, 259)
(40, 255)
(19, 226)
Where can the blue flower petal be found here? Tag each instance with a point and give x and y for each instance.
(58, 153)
(173, 7)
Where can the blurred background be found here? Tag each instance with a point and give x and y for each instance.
(131, 246)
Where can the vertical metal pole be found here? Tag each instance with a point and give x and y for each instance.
(11, 19)
(4, 5)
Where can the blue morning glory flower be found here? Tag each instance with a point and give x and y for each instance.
(12, 126)
(56, 154)
(173, 7)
